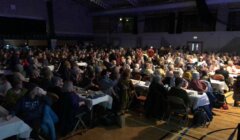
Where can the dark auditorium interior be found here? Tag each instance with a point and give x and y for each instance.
(120, 70)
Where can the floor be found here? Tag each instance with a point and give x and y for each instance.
(139, 128)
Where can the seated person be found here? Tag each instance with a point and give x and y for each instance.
(125, 91)
(14, 94)
(168, 81)
(32, 109)
(55, 93)
(106, 83)
(35, 77)
(223, 72)
(4, 86)
(202, 86)
(47, 76)
(236, 91)
(179, 92)
(71, 105)
(155, 104)
(89, 80)
(197, 84)
(57, 86)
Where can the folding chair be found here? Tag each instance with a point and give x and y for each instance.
(176, 106)
(80, 122)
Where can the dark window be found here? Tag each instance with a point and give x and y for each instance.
(159, 23)
(18, 26)
(234, 21)
(193, 22)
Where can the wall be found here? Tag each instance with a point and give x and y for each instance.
(34, 9)
(212, 41)
(71, 18)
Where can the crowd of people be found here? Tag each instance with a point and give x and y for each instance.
(27, 85)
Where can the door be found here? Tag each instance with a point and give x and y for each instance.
(195, 47)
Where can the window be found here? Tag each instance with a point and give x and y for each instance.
(159, 23)
(234, 21)
(193, 22)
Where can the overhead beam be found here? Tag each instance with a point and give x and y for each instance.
(100, 3)
(161, 7)
(133, 2)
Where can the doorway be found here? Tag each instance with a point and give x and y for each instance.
(195, 46)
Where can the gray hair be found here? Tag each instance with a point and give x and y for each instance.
(195, 76)
(68, 86)
(56, 80)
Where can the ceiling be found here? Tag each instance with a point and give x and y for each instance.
(103, 5)
(121, 7)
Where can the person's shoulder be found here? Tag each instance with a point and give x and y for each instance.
(24, 90)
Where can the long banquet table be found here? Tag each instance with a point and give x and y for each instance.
(196, 99)
(14, 126)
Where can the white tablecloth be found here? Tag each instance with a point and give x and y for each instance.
(141, 84)
(82, 64)
(105, 101)
(6, 72)
(220, 85)
(233, 75)
(197, 100)
(14, 126)
(51, 67)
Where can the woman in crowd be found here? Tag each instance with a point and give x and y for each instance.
(156, 102)
(4, 86)
(71, 105)
(118, 62)
(236, 91)
(125, 91)
(33, 109)
(14, 94)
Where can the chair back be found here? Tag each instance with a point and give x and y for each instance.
(176, 103)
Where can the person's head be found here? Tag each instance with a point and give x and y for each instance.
(104, 73)
(114, 62)
(171, 67)
(176, 73)
(47, 73)
(129, 60)
(57, 81)
(31, 90)
(67, 64)
(123, 59)
(17, 83)
(187, 75)
(126, 74)
(238, 78)
(169, 74)
(195, 75)
(35, 74)
(3, 79)
(178, 82)
(68, 86)
(34, 90)
(189, 67)
(230, 63)
(18, 68)
(157, 79)
(221, 67)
